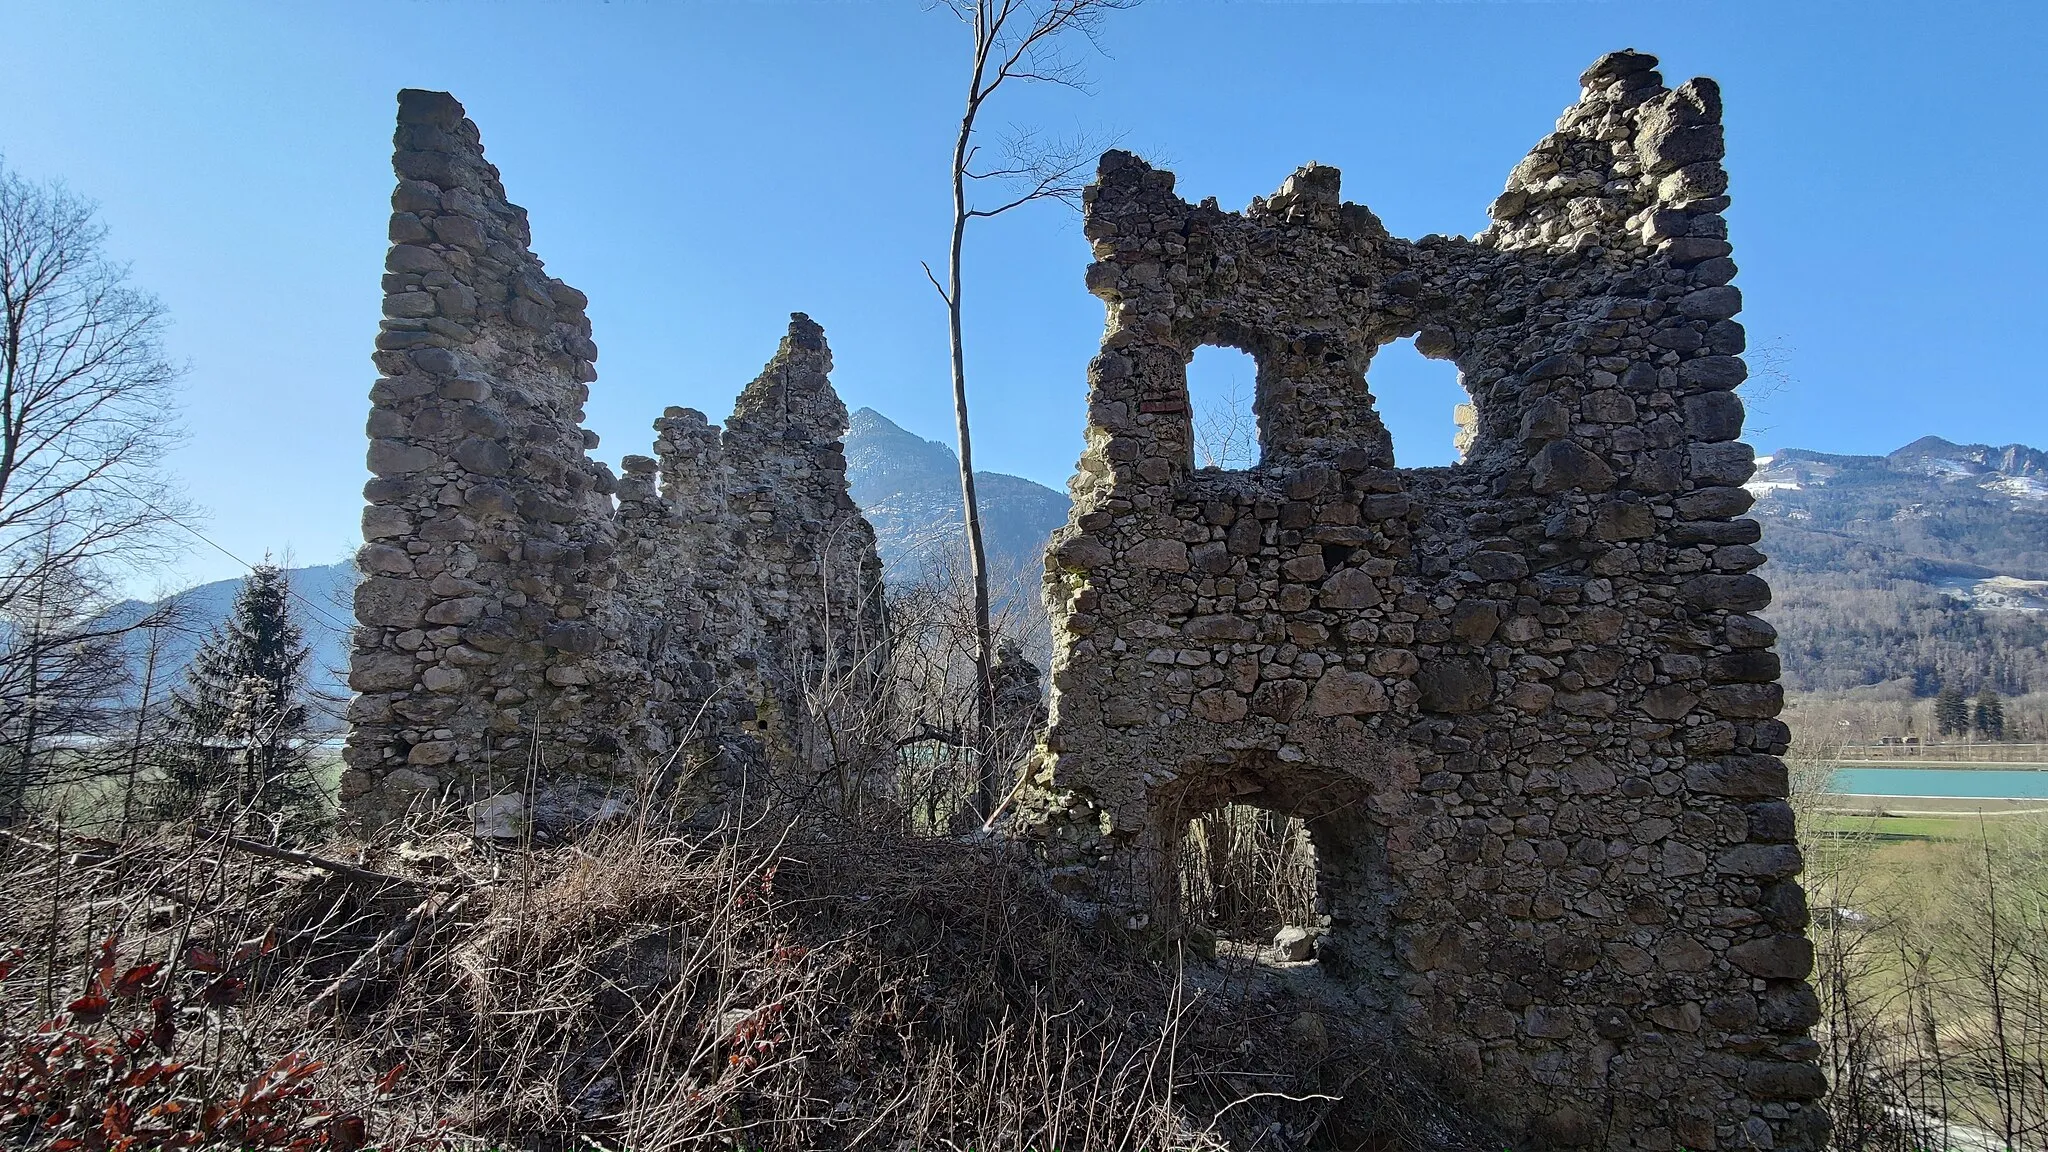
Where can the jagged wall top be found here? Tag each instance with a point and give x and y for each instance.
(1522, 702)
(511, 613)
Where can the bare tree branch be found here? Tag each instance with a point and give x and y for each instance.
(1020, 40)
(86, 407)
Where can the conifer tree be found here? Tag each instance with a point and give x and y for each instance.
(1951, 712)
(242, 716)
(1990, 715)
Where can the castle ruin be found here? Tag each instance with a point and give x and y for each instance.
(524, 613)
(1522, 702)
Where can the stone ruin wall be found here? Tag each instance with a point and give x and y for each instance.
(513, 615)
(1521, 702)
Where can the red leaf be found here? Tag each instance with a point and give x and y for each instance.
(117, 1119)
(89, 1008)
(132, 981)
(263, 947)
(144, 1075)
(351, 1133)
(389, 1081)
(200, 958)
(163, 1035)
(223, 992)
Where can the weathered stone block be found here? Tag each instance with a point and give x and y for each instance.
(1751, 666)
(1739, 776)
(1455, 684)
(1669, 703)
(1714, 503)
(1775, 957)
(1730, 464)
(1474, 621)
(1159, 555)
(1563, 466)
(1761, 861)
(1280, 699)
(1497, 566)
(1711, 303)
(398, 458)
(1220, 628)
(1746, 701)
(1350, 588)
(1743, 593)
(1615, 520)
(383, 672)
(390, 602)
(1343, 692)
(1713, 416)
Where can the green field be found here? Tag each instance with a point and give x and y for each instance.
(1963, 826)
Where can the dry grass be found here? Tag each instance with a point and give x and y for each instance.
(771, 988)
(1245, 872)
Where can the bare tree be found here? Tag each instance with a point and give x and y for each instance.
(59, 676)
(1227, 431)
(85, 403)
(160, 630)
(1021, 41)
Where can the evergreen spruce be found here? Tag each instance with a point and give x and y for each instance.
(1951, 712)
(1990, 715)
(241, 718)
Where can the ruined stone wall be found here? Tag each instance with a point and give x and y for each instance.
(756, 580)
(513, 618)
(1521, 702)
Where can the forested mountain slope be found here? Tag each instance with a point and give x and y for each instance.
(1928, 565)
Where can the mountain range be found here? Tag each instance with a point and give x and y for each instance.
(1922, 567)
(909, 488)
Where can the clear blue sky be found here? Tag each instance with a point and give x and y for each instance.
(702, 170)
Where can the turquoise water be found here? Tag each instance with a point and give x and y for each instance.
(1963, 783)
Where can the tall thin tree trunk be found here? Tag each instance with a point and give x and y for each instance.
(14, 802)
(141, 730)
(977, 558)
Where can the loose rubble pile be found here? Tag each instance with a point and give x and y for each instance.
(1521, 702)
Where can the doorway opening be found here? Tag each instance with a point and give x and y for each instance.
(1248, 878)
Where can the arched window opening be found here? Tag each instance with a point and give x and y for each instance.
(1420, 401)
(1221, 385)
(1248, 878)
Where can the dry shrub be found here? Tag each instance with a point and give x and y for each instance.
(1245, 872)
(750, 987)
(133, 1002)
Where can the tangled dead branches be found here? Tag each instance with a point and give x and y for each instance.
(750, 987)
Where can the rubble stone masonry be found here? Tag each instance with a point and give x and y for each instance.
(1522, 702)
(515, 623)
